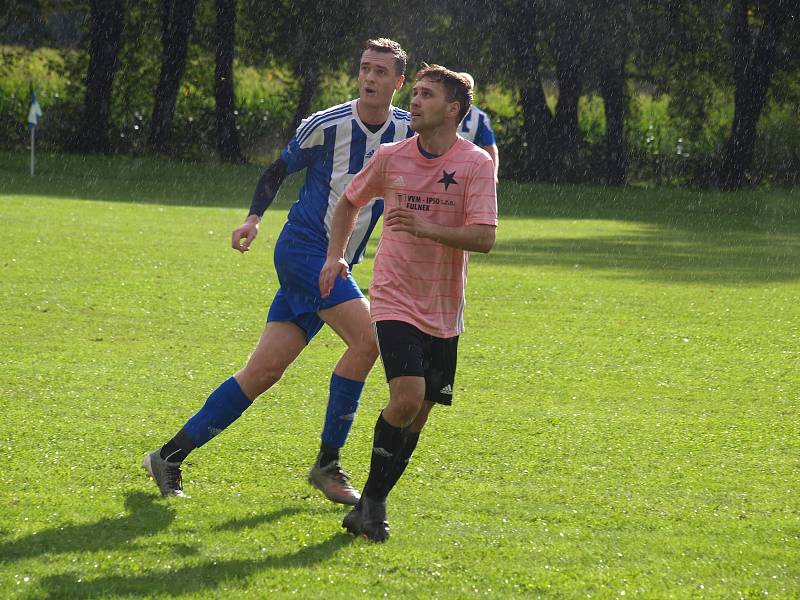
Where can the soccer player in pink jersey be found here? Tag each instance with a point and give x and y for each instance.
(440, 204)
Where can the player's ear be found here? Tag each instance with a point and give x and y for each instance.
(454, 109)
(399, 83)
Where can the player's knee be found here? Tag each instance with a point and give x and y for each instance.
(408, 406)
(422, 417)
(258, 379)
(365, 349)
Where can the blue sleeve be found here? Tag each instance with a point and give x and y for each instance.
(307, 142)
(484, 136)
(297, 158)
(267, 188)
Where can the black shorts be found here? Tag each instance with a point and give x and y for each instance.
(407, 351)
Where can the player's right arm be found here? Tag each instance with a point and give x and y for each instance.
(301, 151)
(343, 223)
(266, 190)
(367, 184)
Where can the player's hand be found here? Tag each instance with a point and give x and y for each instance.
(243, 236)
(332, 269)
(404, 219)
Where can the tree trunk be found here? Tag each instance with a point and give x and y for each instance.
(107, 22)
(309, 76)
(612, 89)
(228, 147)
(307, 72)
(537, 120)
(177, 17)
(754, 63)
(566, 130)
(565, 122)
(538, 129)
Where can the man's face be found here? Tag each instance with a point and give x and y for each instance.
(429, 105)
(377, 78)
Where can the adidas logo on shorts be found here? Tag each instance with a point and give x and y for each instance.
(448, 389)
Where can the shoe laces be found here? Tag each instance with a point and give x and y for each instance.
(338, 473)
(174, 476)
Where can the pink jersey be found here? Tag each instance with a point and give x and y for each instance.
(417, 280)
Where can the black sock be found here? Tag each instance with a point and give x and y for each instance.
(386, 446)
(410, 439)
(327, 455)
(178, 448)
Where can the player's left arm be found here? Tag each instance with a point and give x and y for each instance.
(475, 238)
(477, 234)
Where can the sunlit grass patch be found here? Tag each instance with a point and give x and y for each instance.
(624, 417)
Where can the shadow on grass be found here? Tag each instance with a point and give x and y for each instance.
(671, 208)
(136, 180)
(250, 522)
(172, 182)
(146, 515)
(686, 235)
(190, 580)
(717, 258)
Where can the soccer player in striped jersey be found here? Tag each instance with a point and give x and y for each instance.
(332, 146)
(477, 128)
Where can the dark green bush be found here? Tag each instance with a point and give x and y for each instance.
(662, 146)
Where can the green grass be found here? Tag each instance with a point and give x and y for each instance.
(625, 417)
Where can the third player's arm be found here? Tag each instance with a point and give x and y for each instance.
(492, 150)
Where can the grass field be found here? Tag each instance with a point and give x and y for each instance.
(625, 420)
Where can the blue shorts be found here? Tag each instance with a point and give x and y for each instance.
(298, 262)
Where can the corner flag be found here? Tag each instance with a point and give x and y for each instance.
(34, 112)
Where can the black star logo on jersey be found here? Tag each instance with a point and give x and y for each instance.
(447, 179)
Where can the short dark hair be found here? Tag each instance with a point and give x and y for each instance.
(456, 85)
(390, 47)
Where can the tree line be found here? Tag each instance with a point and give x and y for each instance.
(549, 52)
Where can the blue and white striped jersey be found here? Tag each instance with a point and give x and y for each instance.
(476, 127)
(333, 145)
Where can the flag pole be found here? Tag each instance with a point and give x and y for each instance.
(34, 112)
(33, 149)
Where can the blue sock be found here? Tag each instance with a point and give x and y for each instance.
(223, 407)
(342, 408)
